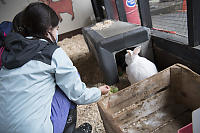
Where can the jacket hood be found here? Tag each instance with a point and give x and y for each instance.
(19, 50)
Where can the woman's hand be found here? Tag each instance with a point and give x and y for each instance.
(104, 89)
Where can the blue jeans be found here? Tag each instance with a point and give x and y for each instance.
(60, 107)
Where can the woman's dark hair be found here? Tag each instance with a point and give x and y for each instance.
(36, 19)
(17, 23)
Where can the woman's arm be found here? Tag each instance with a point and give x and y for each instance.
(68, 79)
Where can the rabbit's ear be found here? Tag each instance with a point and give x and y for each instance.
(137, 50)
(129, 52)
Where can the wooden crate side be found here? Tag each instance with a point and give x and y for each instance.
(175, 80)
(145, 107)
(188, 92)
(139, 91)
(110, 125)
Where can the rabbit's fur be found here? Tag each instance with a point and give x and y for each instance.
(138, 67)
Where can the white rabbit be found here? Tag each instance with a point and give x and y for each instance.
(138, 67)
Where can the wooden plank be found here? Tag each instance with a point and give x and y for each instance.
(189, 92)
(145, 108)
(160, 120)
(109, 124)
(140, 90)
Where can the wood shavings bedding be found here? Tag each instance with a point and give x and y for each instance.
(102, 25)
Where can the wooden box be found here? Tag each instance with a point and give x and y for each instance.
(162, 103)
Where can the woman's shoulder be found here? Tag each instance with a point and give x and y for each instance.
(60, 53)
(60, 57)
(46, 54)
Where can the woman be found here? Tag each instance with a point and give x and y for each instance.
(39, 85)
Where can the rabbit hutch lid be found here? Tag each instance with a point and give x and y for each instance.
(159, 104)
(111, 28)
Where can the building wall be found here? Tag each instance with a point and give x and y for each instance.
(82, 12)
